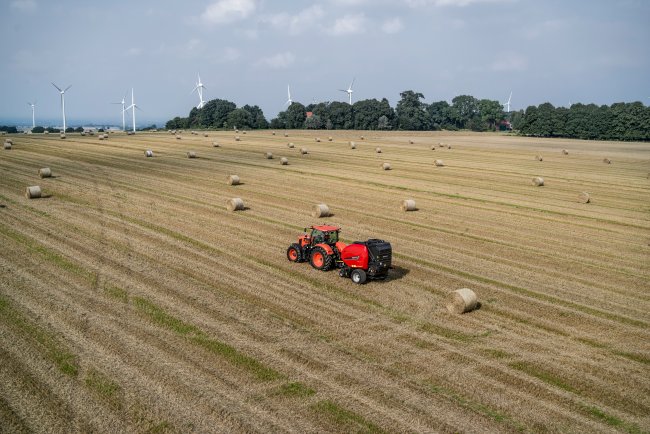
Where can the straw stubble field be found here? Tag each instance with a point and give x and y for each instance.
(132, 300)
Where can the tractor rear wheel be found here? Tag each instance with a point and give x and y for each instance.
(293, 253)
(358, 276)
(320, 260)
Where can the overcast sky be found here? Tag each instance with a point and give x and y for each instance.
(247, 51)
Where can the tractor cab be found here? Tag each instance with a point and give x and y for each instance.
(320, 234)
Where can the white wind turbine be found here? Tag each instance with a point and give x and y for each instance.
(132, 107)
(123, 102)
(33, 105)
(199, 89)
(289, 101)
(349, 90)
(507, 103)
(62, 92)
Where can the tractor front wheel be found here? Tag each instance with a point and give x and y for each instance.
(320, 260)
(293, 253)
(358, 276)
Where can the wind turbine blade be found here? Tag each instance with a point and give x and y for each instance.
(193, 90)
(343, 90)
(58, 88)
(67, 88)
(352, 84)
(138, 108)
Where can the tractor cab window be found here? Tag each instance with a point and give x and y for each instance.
(317, 236)
(332, 237)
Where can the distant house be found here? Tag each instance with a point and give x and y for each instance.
(309, 114)
(504, 125)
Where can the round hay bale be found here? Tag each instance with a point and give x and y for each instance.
(82, 134)
(148, 153)
(329, 139)
(538, 181)
(8, 140)
(411, 142)
(178, 137)
(318, 139)
(7, 145)
(378, 150)
(408, 205)
(304, 151)
(565, 152)
(62, 136)
(539, 158)
(232, 180)
(321, 210)
(584, 197)
(243, 132)
(46, 132)
(268, 155)
(235, 204)
(284, 161)
(353, 145)
(191, 154)
(33, 192)
(101, 137)
(45, 172)
(607, 161)
(237, 131)
(362, 138)
(237, 139)
(448, 146)
(385, 166)
(286, 134)
(461, 301)
(439, 163)
(290, 145)
(106, 136)
(205, 134)
(193, 132)
(216, 145)
(273, 133)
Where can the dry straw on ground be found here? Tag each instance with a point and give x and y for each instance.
(235, 204)
(321, 210)
(232, 180)
(33, 192)
(408, 205)
(584, 197)
(538, 181)
(439, 163)
(148, 153)
(385, 166)
(191, 154)
(45, 172)
(284, 161)
(462, 300)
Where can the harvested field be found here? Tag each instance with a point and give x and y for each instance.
(132, 300)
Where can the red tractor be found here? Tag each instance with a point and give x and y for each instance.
(359, 261)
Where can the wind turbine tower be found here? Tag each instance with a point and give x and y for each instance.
(507, 103)
(199, 89)
(349, 91)
(289, 101)
(132, 107)
(33, 105)
(62, 92)
(123, 102)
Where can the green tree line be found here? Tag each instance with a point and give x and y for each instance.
(620, 121)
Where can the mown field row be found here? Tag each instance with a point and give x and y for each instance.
(132, 298)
